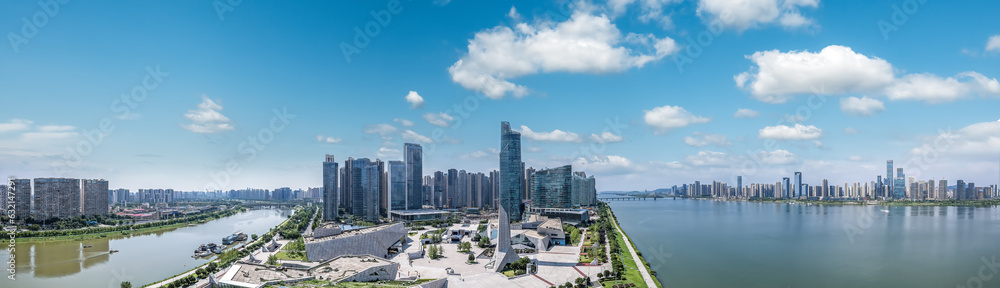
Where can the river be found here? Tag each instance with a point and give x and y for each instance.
(703, 243)
(142, 259)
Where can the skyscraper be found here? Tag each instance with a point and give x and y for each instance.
(330, 199)
(440, 189)
(552, 187)
(364, 188)
(56, 198)
(398, 185)
(889, 178)
(22, 199)
(798, 184)
(942, 192)
(95, 197)
(451, 191)
(511, 172)
(413, 155)
(739, 185)
(786, 187)
(960, 190)
(899, 185)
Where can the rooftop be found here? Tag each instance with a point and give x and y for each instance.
(351, 233)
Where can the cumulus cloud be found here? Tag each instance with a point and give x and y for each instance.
(328, 140)
(779, 76)
(745, 113)
(979, 139)
(584, 43)
(833, 70)
(414, 99)
(709, 158)
(554, 136)
(650, 11)
(206, 118)
(746, 14)
(993, 44)
(863, 106)
(404, 122)
(699, 139)
(933, 89)
(409, 135)
(605, 164)
(439, 119)
(606, 137)
(14, 125)
(776, 157)
(665, 118)
(797, 132)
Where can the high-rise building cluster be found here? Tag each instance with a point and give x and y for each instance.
(895, 185)
(59, 197)
(369, 190)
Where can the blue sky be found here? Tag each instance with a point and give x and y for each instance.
(642, 94)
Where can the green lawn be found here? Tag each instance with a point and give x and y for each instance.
(285, 255)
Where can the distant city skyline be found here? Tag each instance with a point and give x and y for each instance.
(660, 94)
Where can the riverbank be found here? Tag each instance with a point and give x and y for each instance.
(227, 258)
(639, 273)
(956, 203)
(130, 229)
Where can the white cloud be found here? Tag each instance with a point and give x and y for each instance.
(993, 44)
(47, 135)
(328, 140)
(606, 137)
(439, 119)
(534, 149)
(777, 157)
(979, 139)
(409, 135)
(699, 139)
(850, 130)
(493, 150)
(933, 89)
(475, 155)
(384, 152)
(833, 70)
(584, 43)
(709, 158)
(856, 158)
(745, 113)
(513, 14)
(14, 125)
(55, 128)
(404, 122)
(604, 165)
(746, 14)
(554, 136)
(779, 76)
(863, 106)
(207, 118)
(797, 132)
(649, 10)
(414, 99)
(665, 118)
(381, 129)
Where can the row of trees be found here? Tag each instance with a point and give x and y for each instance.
(193, 218)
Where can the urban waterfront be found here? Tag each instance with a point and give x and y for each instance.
(142, 258)
(706, 243)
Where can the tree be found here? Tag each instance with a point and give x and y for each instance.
(253, 237)
(472, 258)
(126, 284)
(272, 260)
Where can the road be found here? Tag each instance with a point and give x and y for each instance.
(635, 256)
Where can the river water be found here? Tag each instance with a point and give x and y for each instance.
(704, 243)
(142, 258)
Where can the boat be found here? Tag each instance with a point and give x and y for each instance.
(206, 250)
(87, 246)
(112, 251)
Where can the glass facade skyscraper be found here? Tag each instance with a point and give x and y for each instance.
(397, 185)
(798, 185)
(552, 187)
(899, 185)
(888, 178)
(786, 187)
(511, 172)
(413, 155)
(330, 200)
